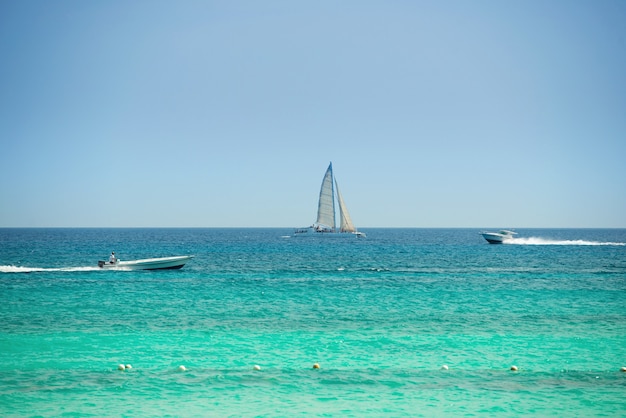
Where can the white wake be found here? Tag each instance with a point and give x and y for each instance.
(23, 269)
(546, 241)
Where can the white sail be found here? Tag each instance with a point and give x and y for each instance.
(346, 224)
(326, 205)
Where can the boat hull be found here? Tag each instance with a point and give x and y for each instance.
(498, 237)
(313, 232)
(163, 263)
(493, 238)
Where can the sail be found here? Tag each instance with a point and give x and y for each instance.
(344, 216)
(326, 205)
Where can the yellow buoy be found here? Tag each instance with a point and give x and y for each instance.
(121, 367)
(257, 367)
(182, 368)
(316, 366)
(514, 368)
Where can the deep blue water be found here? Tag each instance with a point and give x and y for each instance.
(380, 315)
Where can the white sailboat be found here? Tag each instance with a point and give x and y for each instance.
(325, 224)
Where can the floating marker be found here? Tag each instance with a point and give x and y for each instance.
(514, 368)
(257, 367)
(444, 367)
(128, 366)
(623, 369)
(121, 367)
(182, 368)
(316, 366)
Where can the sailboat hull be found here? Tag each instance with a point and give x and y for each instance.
(314, 232)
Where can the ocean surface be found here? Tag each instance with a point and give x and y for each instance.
(406, 322)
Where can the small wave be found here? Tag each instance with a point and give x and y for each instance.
(545, 241)
(23, 269)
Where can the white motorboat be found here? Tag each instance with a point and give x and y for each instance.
(498, 237)
(325, 224)
(162, 263)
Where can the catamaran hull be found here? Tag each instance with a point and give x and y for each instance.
(164, 263)
(312, 232)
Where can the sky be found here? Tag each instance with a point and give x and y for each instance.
(187, 113)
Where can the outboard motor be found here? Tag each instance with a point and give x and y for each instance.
(101, 264)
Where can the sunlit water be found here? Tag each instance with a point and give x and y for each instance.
(381, 316)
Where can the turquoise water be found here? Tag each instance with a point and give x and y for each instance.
(380, 316)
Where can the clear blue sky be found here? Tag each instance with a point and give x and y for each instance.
(227, 113)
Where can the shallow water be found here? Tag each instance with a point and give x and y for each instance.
(380, 315)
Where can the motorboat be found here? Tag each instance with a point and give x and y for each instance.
(326, 218)
(498, 237)
(162, 263)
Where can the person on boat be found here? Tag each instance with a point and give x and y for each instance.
(113, 259)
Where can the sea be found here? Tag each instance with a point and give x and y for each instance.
(405, 322)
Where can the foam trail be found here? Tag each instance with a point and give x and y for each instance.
(545, 241)
(22, 269)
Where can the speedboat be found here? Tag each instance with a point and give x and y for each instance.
(162, 263)
(498, 237)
